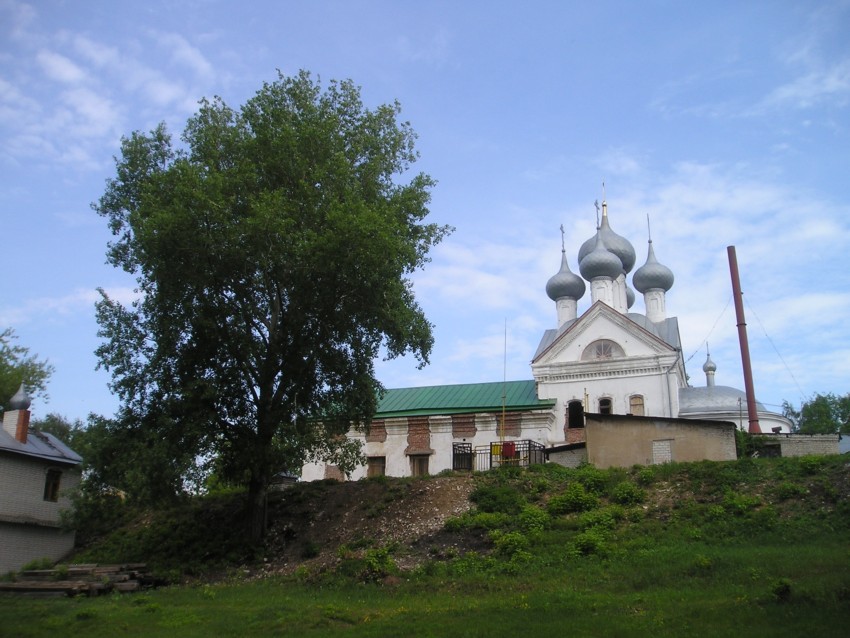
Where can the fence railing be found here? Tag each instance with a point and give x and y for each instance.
(523, 453)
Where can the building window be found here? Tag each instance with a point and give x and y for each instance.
(376, 466)
(605, 406)
(575, 414)
(51, 485)
(418, 464)
(601, 350)
(636, 405)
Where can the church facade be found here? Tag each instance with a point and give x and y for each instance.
(607, 361)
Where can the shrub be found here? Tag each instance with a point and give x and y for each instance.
(533, 520)
(591, 541)
(592, 478)
(606, 518)
(574, 499)
(513, 545)
(626, 493)
(500, 498)
(646, 476)
(379, 564)
(781, 590)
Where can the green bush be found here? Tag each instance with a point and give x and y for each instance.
(627, 493)
(575, 498)
(591, 541)
(513, 545)
(504, 499)
(533, 520)
(606, 518)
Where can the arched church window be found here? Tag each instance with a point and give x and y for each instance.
(606, 406)
(636, 405)
(602, 349)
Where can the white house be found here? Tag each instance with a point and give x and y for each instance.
(609, 361)
(36, 471)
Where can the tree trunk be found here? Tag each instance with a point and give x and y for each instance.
(257, 510)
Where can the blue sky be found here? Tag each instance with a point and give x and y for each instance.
(727, 122)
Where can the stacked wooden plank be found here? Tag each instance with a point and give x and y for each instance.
(74, 580)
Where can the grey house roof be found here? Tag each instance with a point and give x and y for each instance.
(39, 445)
(717, 398)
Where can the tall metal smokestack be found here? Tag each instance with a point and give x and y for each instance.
(752, 412)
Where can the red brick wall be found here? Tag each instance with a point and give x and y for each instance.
(463, 426)
(377, 432)
(513, 423)
(574, 435)
(418, 435)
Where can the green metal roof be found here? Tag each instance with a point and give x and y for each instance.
(466, 398)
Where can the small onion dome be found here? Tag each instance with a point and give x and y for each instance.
(652, 274)
(630, 296)
(618, 245)
(21, 400)
(600, 262)
(709, 365)
(565, 283)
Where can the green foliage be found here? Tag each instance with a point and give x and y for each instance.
(823, 414)
(272, 250)
(37, 564)
(781, 590)
(379, 564)
(533, 520)
(590, 541)
(627, 493)
(504, 499)
(606, 518)
(575, 498)
(511, 545)
(18, 366)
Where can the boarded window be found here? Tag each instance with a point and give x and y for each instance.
(636, 405)
(376, 466)
(662, 451)
(606, 406)
(418, 464)
(51, 485)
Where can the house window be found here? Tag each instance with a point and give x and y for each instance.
(602, 350)
(51, 485)
(418, 464)
(605, 406)
(376, 466)
(636, 405)
(575, 414)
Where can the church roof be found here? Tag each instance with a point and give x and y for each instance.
(40, 445)
(716, 398)
(467, 398)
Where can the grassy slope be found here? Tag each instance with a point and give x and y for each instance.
(707, 549)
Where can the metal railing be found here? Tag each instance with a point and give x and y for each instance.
(523, 453)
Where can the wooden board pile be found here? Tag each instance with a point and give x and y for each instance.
(74, 580)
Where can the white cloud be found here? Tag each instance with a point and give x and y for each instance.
(186, 55)
(59, 68)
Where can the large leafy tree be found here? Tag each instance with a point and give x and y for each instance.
(272, 251)
(822, 414)
(18, 366)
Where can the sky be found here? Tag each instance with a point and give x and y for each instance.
(726, 122)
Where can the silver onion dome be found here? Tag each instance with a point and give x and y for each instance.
(618, 245)
(565, 283)
(652, 274)
(21, 400)
(600, 262)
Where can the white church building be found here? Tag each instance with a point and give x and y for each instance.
(607, 361)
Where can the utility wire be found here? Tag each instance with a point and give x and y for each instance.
(716, 321)
(776, 350)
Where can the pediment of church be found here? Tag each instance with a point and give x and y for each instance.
(601, 334)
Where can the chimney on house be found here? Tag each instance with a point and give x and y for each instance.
(16, 420)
